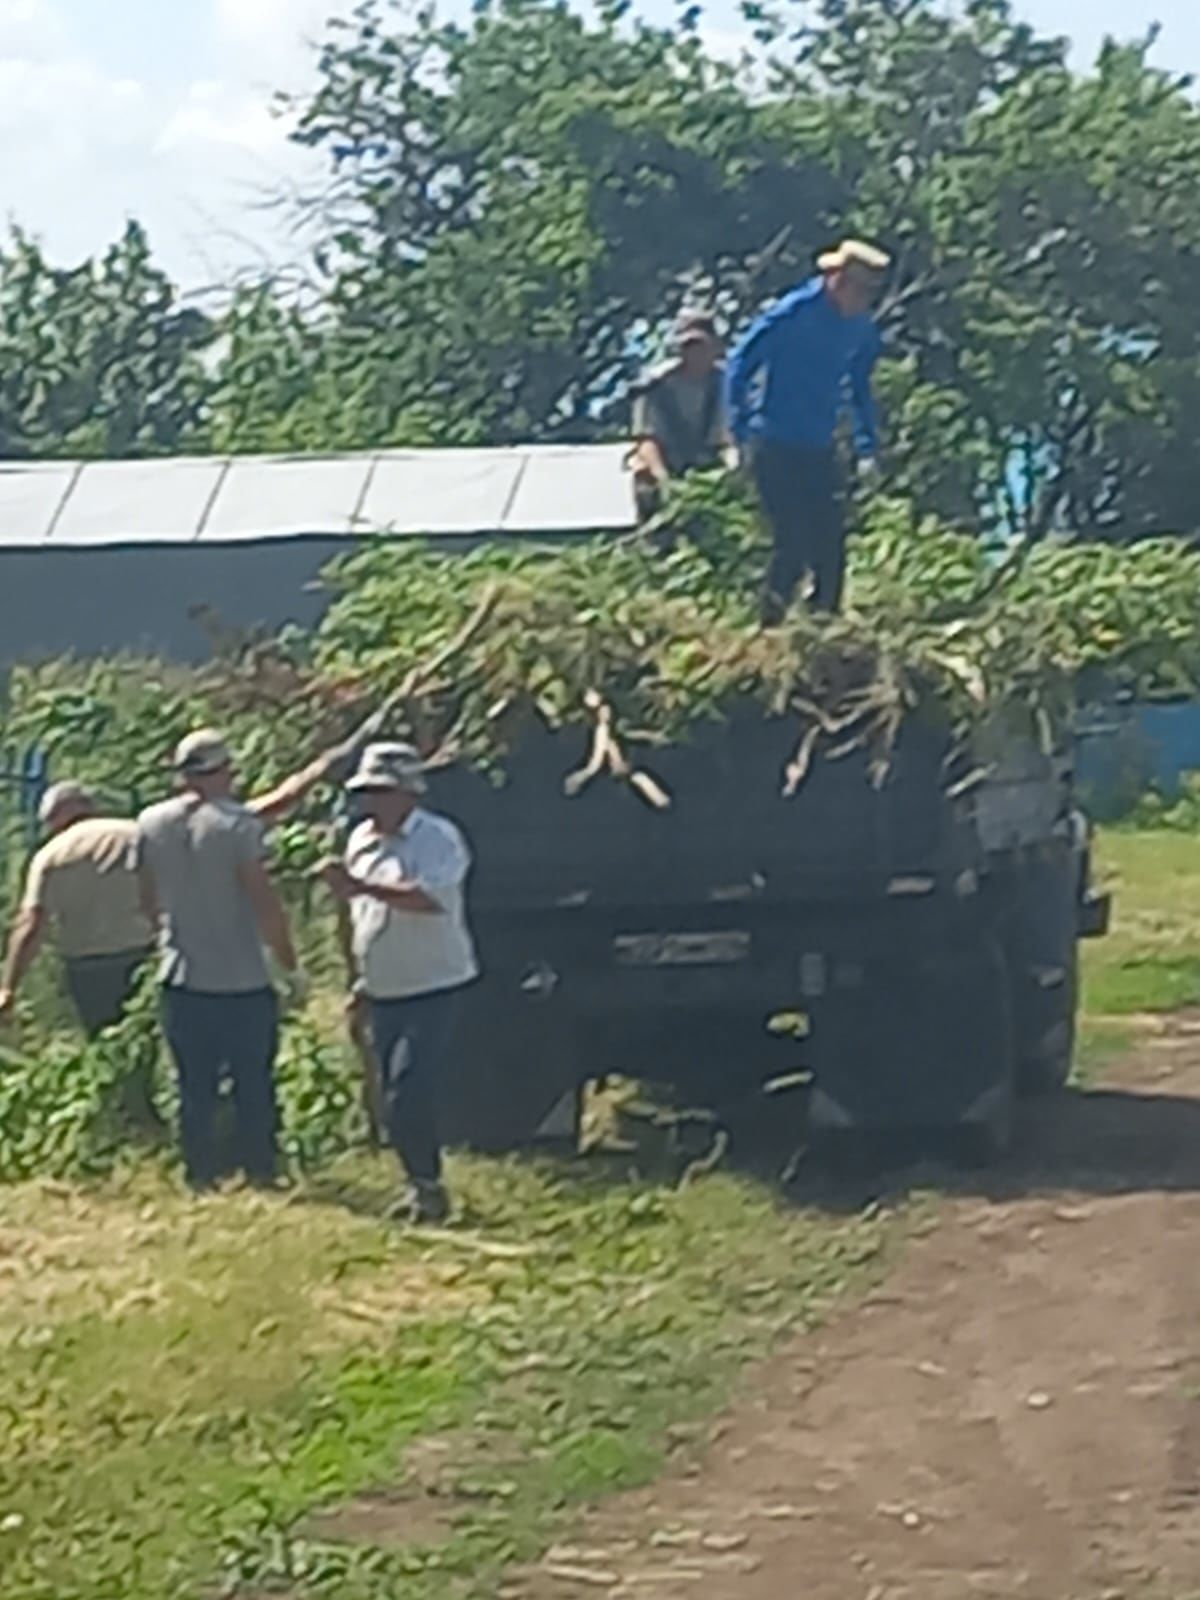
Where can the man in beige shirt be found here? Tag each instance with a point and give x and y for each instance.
(82, 884)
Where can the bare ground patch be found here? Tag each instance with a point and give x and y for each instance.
(1014, 1415)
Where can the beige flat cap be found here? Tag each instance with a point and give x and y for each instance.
(202, 753)
(855, 253)
(59, 795)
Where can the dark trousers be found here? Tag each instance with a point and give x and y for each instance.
(411, 1040)
(801, 496)
(211, 1035)
(100, 988)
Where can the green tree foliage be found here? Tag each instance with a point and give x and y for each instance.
(519, 197)
(99, 359)
(516, 203)
(519, 201)
(1043, 322)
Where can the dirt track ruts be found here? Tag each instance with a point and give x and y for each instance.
(1014, 1413)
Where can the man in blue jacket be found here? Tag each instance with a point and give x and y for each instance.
(810, 351)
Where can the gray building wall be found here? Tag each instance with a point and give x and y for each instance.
(121, 599)
(138, 598)
(98, 557)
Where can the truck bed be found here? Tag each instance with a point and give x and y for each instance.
(729, 834)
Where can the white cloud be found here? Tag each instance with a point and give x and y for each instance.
(91, 148)
(216, 113)
(67, 106)
(272, 25)
(72, 129)
(30, 27)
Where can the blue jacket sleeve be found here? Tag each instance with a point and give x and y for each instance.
(862, 398)
(746, 359)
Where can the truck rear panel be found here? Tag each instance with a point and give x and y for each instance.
(729, 832)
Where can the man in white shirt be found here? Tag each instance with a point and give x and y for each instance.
(404, 878)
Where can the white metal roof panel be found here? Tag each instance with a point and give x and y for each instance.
(441, 491)
(139, 502)
(271, 498)
(30, 496)
(566, 488)
(534, 489)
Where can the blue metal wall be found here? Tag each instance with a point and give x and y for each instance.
(1126, 749)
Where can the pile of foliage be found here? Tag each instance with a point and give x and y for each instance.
(61, 1094)
(645, 644)
(642, 643)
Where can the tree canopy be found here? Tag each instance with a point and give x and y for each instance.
(99, 359)
(518, 202)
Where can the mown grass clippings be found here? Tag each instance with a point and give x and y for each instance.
(205, 1405)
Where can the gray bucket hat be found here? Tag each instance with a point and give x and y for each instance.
(389, 766)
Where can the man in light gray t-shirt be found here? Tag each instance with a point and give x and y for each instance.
(205, 884)
(197, 850)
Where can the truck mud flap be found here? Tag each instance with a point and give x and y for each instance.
(1095, 915)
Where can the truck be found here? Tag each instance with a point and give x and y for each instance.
(906, 939)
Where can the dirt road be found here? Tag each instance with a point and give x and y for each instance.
(1015, 1414)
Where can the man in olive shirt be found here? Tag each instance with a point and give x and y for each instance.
(679, 411)
(81, 883)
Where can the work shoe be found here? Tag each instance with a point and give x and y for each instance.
(773, 609)
(427, 1203)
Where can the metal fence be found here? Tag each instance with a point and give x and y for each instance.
(1128, 747)
(24, 778)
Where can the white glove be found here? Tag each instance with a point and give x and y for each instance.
(868, 472)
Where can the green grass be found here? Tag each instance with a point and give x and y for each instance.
(1100, 1043)
(1151, 959)
(185, 1382)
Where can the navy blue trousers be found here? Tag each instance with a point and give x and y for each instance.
(412, 1037)
(212, 1035)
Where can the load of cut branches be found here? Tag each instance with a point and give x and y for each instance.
(645, 642)
(645, 637)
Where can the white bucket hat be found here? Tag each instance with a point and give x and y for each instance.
(389, 766)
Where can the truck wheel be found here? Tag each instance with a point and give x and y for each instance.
(1046, 1046)
(984, 1143)
(925, 1046)
(988, 1136)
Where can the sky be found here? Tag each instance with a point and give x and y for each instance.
(161, 109)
